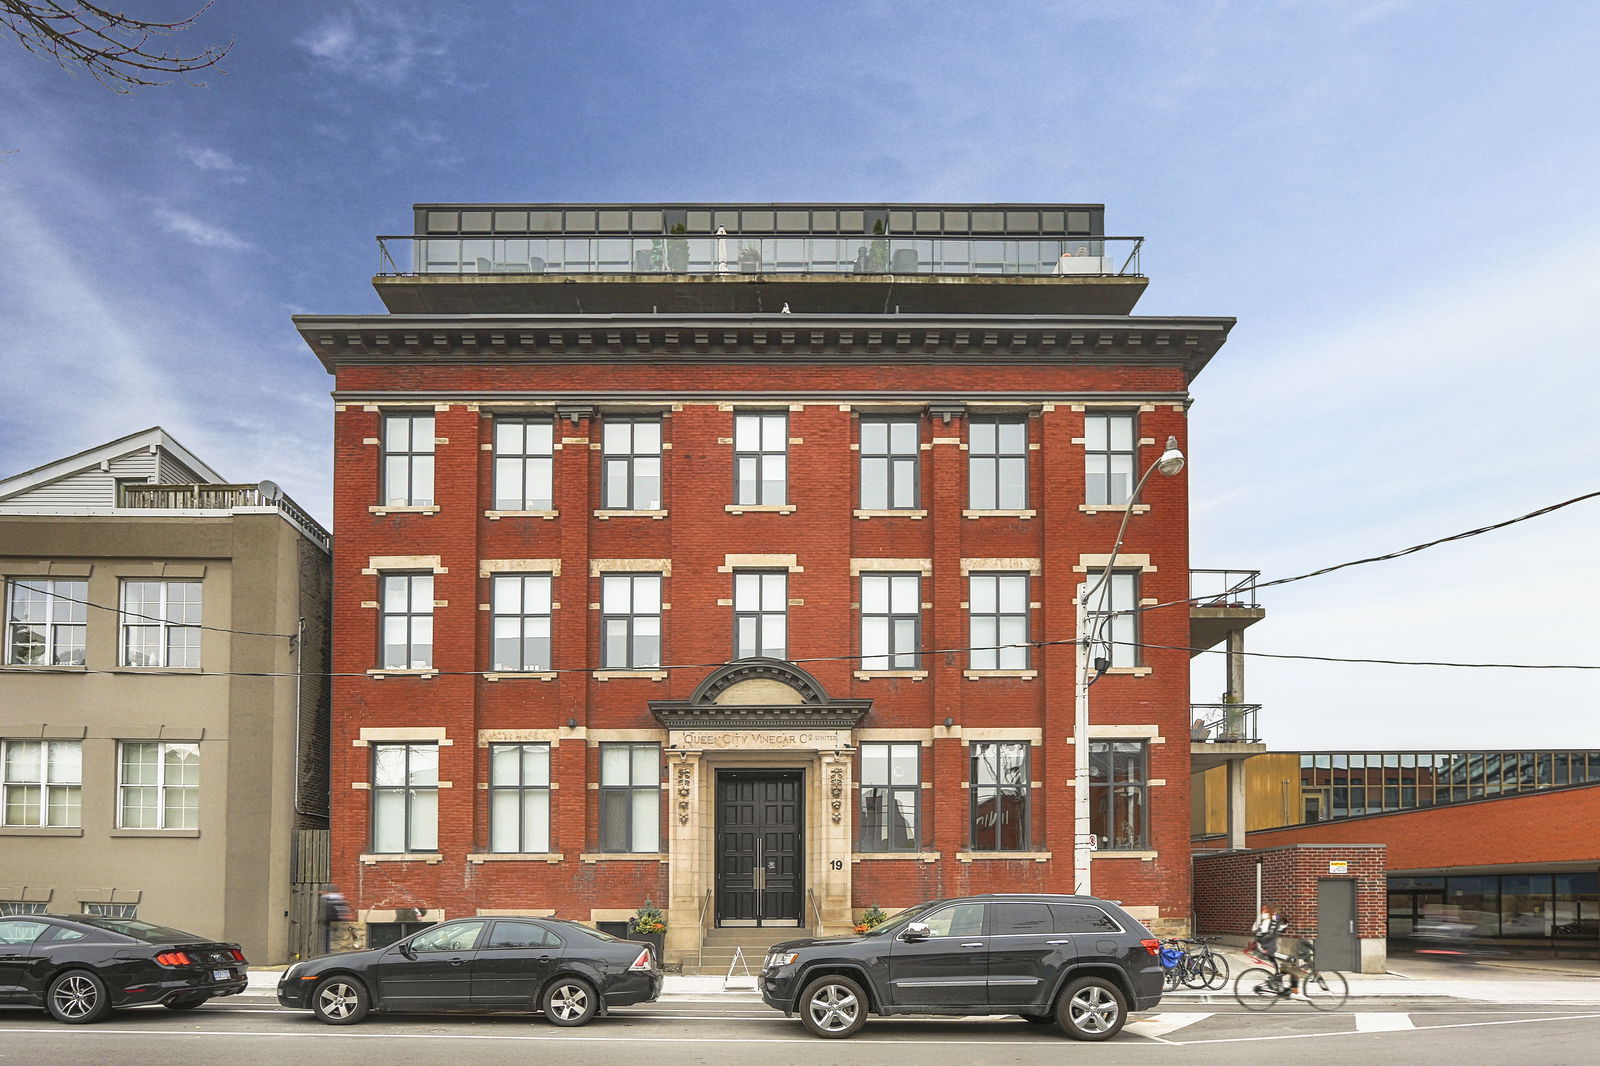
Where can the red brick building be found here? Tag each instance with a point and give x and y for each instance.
(725, 557)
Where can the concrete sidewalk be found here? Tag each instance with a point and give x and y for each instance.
(1503, 987)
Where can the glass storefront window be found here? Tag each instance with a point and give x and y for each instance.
(1476, 902)
(1525, 906)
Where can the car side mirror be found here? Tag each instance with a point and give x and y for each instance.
(916, 931)
(405, 949)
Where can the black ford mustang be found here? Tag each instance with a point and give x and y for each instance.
(569, 971)
(78, 967)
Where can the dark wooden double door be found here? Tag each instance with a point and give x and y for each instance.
(760, 847)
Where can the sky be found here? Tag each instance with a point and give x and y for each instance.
(1395, 199)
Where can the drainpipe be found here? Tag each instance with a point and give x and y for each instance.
(1258, 891)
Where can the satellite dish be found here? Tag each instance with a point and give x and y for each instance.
(269, 491)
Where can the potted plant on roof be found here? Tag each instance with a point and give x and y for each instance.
(678, 250)
(650, 925)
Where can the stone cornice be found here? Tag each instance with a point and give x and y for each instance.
(352, 340)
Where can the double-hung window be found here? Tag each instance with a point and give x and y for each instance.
(521, 622)
(158, 786)
(1108, 458)
(45, 621)
(760, 614)
(405, 798)
(760, 457)
(1000, 796)
(519, 798)
(524, 464)
(891, 621)
(161, 623)
(997, 464)
(630, 797)
(1114, 621)
(630, 621)
(1117, 787)
(890, 455)
(891, 796)
(631, 453)
(407, 459)
(42, 782)
(998, 621)
(407, 623)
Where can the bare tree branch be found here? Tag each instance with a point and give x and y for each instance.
(119, 51)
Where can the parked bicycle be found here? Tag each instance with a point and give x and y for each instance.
(1259, 988)
(1201, 968)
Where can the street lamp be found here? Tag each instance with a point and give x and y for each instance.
(1168, 463)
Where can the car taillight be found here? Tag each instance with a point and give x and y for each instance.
(1152, 946)
(238, 956)
(642, 962)
(174, 958)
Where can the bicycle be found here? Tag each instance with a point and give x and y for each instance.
(1258, 988)
(1210, 967)
(1197, 969)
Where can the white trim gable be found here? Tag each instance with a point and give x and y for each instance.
(89, 478)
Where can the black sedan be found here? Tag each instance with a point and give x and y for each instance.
(569, 971)
(78, 967)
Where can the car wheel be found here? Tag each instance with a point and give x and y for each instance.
(833, 1006)
(569, 1001)
(77, 997)
(1038, 1019)
(189, 1002)
(340, 1000)
(1092, 1008)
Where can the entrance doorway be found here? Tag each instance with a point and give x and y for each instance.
(1338, 946)
(760, 847)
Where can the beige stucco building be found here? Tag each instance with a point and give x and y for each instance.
(163, 708)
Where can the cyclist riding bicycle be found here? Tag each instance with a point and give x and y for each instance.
(1268, 928)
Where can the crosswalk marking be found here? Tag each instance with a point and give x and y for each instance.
(1159, 1025)
(1382, 1022)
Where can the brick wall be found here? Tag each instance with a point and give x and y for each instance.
(1225, 887)
(696, 629)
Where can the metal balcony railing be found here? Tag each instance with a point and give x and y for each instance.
(1223, 588)
(1224, 723)
(211, 497)
(713, 255)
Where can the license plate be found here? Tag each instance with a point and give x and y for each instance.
(221, 975)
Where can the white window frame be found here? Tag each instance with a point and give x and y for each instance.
(886, 649)
(1113, 620)
(416, 797)
(524, 469)
(880, 796)
(761, 446)
(754, 593)
(54, 781)
(64, 613)
(408, 458)
(625, 464)
(619, 599)
(1022, 787)
(895, 470)
(520, 607)
(160, 620)
(1007, 481)
(415, 610)
(519, 802)
(997, 615)
(1103, 459)
(165, 791)
(642, 787)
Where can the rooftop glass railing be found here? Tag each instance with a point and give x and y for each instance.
(734, 255)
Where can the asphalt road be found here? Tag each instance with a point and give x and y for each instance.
(719, 1033)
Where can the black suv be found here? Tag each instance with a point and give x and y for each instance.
(1078, 961)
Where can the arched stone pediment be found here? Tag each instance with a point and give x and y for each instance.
(759, 692)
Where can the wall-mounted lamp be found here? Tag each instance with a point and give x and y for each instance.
(572, 723)
(948, 722)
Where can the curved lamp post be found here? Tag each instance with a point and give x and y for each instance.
(1168, 463)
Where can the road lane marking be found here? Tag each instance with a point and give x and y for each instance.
(1417, 1029)
(1383, 1022)
(1159, 1025)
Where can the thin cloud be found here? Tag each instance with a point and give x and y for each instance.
(212, 159)
(375, 44)
(197, 232)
